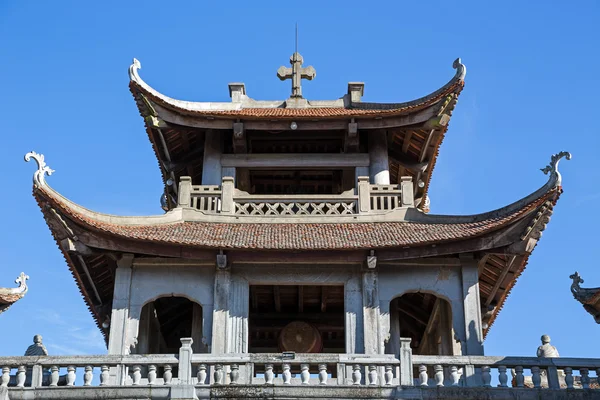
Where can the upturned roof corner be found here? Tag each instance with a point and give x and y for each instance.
(39, 176)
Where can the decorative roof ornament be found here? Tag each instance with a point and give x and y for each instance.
(296, 73)
(133, 69)
(589, 298)
(43, 170)
(8, 296)
(552, 168)
(461, 69)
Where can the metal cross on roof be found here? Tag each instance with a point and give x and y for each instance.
(296, 74)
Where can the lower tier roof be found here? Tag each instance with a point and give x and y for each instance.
(501, 239)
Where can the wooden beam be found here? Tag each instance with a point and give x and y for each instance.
(295, 160)
(413, 316)
(297, 257)
(499, 281)
(277, 298)
(424, 262)
(406, 142)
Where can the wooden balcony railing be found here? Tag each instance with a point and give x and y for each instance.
(225, 199)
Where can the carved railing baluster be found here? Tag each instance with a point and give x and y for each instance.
(454, 375)
(322, 374)
(104, 375)
(88, 375)
(423, 375)
(585, 378)
(439, 375)
(218, 374)
(486, 376)
(54, 375)
(304, 374)
(136, 374)
(389, 375)
(287, 375)
(502, 377)
(21, 376)
(71, 375)
(536, 377)
(167, 374)
(234, 374)
(519, 378)
(373, 375)
(5, 376)
(269, 375)
(569, 377)
(356, 374)
(202, 374)
(151, 374)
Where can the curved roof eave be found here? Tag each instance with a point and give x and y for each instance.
(249, 108)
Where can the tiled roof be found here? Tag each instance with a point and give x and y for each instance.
(358, 110)
(286, 236)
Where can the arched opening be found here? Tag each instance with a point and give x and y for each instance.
(426, 319)
(164, 321)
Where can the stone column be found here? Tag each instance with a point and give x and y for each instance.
(197, 345)
(354, 328)
(220, 310)
(211, 166)
(118, 342)
(370, 297)
(378, 154)
(237, 326)
(472, 307)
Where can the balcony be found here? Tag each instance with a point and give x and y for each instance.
(227, 200)
(291, 375)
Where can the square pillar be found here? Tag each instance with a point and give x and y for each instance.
(118, 341)
(371, 315)
(472, 306)
(211, 164)
(220, 310)
(353, 310)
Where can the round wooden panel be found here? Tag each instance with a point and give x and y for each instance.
(300, 337)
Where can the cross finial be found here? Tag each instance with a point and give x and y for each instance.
(296, 74)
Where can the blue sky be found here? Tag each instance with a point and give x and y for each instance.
(531, 90)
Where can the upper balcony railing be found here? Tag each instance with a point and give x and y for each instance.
(226, 199)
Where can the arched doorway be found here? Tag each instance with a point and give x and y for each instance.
(164, 321)
(426, 319)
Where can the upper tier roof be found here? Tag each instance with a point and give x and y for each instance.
(415, 128)
(505, 236)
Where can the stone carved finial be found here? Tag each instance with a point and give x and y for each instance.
(133, 69)
(546, 349)
(37, 348)
(18, 291)
(296, 73)
(461, 69)
(552, 168)
(575, 288)
(43, 169)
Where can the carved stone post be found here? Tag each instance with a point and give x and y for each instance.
(406, 188)
(185, 361)
(227, 187)
(406, 364)
(220, 310)
(184, 194)
(364, 195)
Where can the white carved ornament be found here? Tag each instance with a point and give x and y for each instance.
(552, 168)
(21, 289)
(43, 169)
(295, 208)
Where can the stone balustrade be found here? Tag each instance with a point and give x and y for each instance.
(360, 371)
(226, 199)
